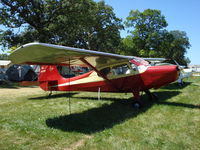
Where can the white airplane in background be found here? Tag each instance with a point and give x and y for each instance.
(184, 73)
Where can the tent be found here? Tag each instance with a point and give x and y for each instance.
(21, 73)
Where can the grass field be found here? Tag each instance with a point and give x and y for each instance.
(30, 120)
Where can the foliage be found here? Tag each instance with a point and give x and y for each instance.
(77, 23)
(149, 37)
(147, 25)
(174, 46)
(3, 57)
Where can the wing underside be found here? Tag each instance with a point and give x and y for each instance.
(41, 53)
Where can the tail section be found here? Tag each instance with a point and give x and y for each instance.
(60, 78)
(48, 78)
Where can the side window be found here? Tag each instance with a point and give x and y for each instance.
(105, 71)
(68, 72)
(120, 69)
(65, 71)
(134, 67)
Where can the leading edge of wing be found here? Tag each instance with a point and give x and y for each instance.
(42, 53)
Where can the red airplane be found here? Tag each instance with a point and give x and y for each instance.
(110, 72)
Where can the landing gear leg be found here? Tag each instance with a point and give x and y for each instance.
(50, 93)
(137, 102)
(152, 96)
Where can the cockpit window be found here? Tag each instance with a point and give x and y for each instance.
(139, 62)
(105, 71)
(65, 71)
(134, 67)
(116, 70)
(68, 72)
(120, 69)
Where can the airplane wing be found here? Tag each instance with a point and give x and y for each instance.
(41, 53)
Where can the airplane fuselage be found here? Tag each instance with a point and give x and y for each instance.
(139, 78)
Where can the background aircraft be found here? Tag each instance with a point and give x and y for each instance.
(109, 72)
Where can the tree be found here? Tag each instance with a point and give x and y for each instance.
(178, 46)
(3, 57)
(149, 37)
(77, 23)
(146, 28)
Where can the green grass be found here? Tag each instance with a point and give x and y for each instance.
(30, 120)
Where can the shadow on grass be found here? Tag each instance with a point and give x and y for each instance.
(163, 97)
(180, 105)
(103, 99)
(99, 119)
(14, 85)
(9, 86)
(52, 96)
(174, 86)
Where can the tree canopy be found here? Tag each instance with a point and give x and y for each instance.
(3, 57)
(150, 38)
(77, 23)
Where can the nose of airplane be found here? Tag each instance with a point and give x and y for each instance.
(162, 75)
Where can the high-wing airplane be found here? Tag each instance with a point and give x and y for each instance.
(110, 72)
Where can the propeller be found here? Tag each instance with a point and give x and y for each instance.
(179, 66)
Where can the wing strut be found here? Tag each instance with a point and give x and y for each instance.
(69, 102)
(99, 73)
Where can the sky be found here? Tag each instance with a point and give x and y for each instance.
(183, 15)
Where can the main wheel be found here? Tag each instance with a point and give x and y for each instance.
(137, 104)
(154, 97)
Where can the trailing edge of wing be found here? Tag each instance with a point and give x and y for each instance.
(41, 53)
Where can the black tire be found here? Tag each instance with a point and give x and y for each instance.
(137, 104)
(155, 97)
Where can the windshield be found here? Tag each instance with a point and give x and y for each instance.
(139, 62)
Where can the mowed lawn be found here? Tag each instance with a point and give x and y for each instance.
(31, 120)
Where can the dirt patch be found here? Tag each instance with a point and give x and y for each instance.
(79, 143)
